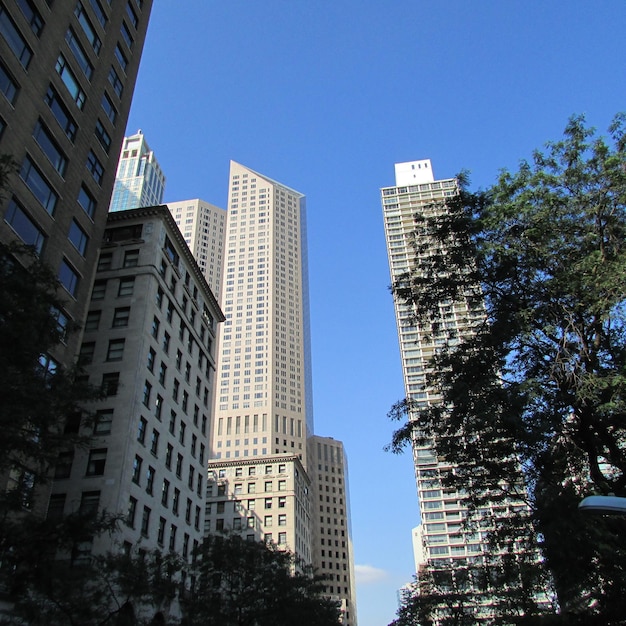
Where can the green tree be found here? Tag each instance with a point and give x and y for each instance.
(239, 582)
(540, 382)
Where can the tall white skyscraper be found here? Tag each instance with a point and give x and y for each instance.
(139, 181)
(441, 542)
(203, 227)
(263, 481)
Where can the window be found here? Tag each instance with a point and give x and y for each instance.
(154, 329)
(161, 532)
(8, 85)
(70, 81)
(131, 258)
(166, 342)
(50, 148)
(14, 39)
(121, 57)
(32, 15)
(56, 506)
(108, 108)
(103, 136)
(268, 503)
(136, 478)
(110, 383)
(132, 15)
(282, 502)
(151, 360)
(173, 537)
(115, 351)
(68, 277)
(79, 53)
(63, 468)
(179, 465)
(89, 502)
(87, 27)
(40, 187)
(121, 317)
(105, 262)
(78, 237)
(282, 539)
(85, 356)
(145, 521)
(147, 390)
(97, 460)
(99, 11)
(175, 501)
(282, 519)
(168, 456)
(181, 434)
(150, 480)
(95, 167)
(24, 226)
(165, 492)
(154, 442)
(126, 286)
(188, 508)
(61, 113)
(162, 373)
(132, 511)
(282, 485)
(86, 201)
(116, 82)
(126, 36)
(158, 407)
(251, 487)
(141, 430)
(103, 422)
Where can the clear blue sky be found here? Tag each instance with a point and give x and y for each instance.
(325, 96)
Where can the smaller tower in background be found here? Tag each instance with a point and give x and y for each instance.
(139, 180)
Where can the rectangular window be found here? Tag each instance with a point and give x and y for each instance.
(98, 292)
(68, 277)
(121, 317)
(137, 463)
(132, 511)
(87, 26)
(126, 36)
(175, 501)
(103, 422)
(116, 82)
(63, 467)
(87, 350)
(161, 533)
(115, 351)
(145, 521)
(50, 147)
(126, 287)
(165, 492)
(79, 53)
(95, 167)
(131, 258)
(150, 480)
(99, 11)
(8, 85)
(40, 187)
(154, 443)
(103, 136)
(108, 108)
(121, 57)
(14, 39)
(93, 320)
(61, 113)
(110, 383)
(96, 463)
(26, 229)
(32, 15)
(147, 390)
(70, 81)
(141, 430)
(78, 237)
(132, 15)
(87, 201)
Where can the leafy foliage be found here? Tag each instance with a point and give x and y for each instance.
(243, 582)
(540, 381)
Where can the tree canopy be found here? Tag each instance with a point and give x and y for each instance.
(539, 382)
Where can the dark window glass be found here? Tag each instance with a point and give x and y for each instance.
(24, 226)
(61, 113)
(70, 81)
(87, 201)
(109, 109)
(14, 38)
(121, 57)
(79, 53)
(78, 237)
(37, 183)
(103, 137)
(8, 86)
(95, 167)
(99, 11)
(50, 148)
(116, 82)
(87, 26)
(132, 15)
(68, 277)
(32, 15)
(126, 36)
